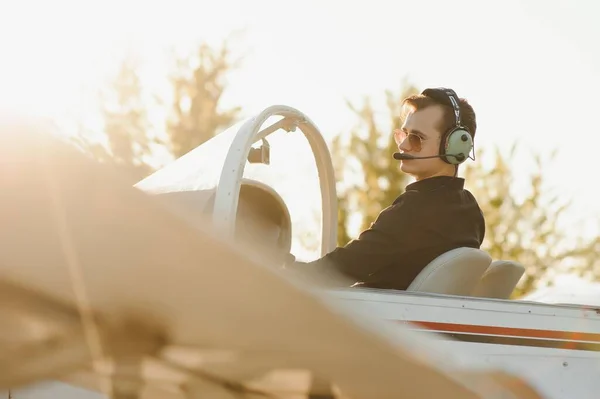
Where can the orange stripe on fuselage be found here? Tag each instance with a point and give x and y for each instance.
(507, 331)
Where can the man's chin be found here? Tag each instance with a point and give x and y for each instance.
(407, 166)
(410, 169)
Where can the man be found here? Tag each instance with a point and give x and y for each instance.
(434, 215)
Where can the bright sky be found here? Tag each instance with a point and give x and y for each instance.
(531, 69)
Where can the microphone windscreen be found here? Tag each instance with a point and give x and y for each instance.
(400, 156)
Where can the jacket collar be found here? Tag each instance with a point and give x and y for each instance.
(433, 183)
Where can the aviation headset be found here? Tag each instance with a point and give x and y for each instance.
(457, 142)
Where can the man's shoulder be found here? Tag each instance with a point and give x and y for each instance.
(470, 194)
(433, 201)
(471, 197)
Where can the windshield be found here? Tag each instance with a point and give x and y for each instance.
(199, 169)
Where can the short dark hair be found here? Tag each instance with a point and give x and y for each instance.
(467, 114)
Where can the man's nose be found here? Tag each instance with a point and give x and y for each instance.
(404, 145)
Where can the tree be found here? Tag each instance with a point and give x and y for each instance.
(125, 123)
(125, 120)
(198, 87)
(367, 159)
(525, 228)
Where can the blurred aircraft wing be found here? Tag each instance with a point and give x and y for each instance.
(98, 280)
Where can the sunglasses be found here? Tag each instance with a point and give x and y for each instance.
(415, 141)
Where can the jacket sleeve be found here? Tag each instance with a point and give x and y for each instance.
(377, 247)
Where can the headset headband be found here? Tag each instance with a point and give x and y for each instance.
(445, 96)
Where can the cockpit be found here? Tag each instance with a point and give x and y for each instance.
(256, 187)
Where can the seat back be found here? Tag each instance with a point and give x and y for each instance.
(262, 220)
(499, 280)
(455, 272)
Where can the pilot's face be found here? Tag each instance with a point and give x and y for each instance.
(420, 136)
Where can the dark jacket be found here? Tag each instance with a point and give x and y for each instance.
(433, 216)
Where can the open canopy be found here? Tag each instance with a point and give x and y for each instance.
(288, 169)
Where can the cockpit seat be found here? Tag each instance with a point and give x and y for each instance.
(500, 280)
(455, 272)
(263, 218)
(262, 223)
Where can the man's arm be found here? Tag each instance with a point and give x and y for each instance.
(379, 246)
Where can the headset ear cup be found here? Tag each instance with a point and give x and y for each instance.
(459, 143)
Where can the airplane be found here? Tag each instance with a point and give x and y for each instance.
(173, 288)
